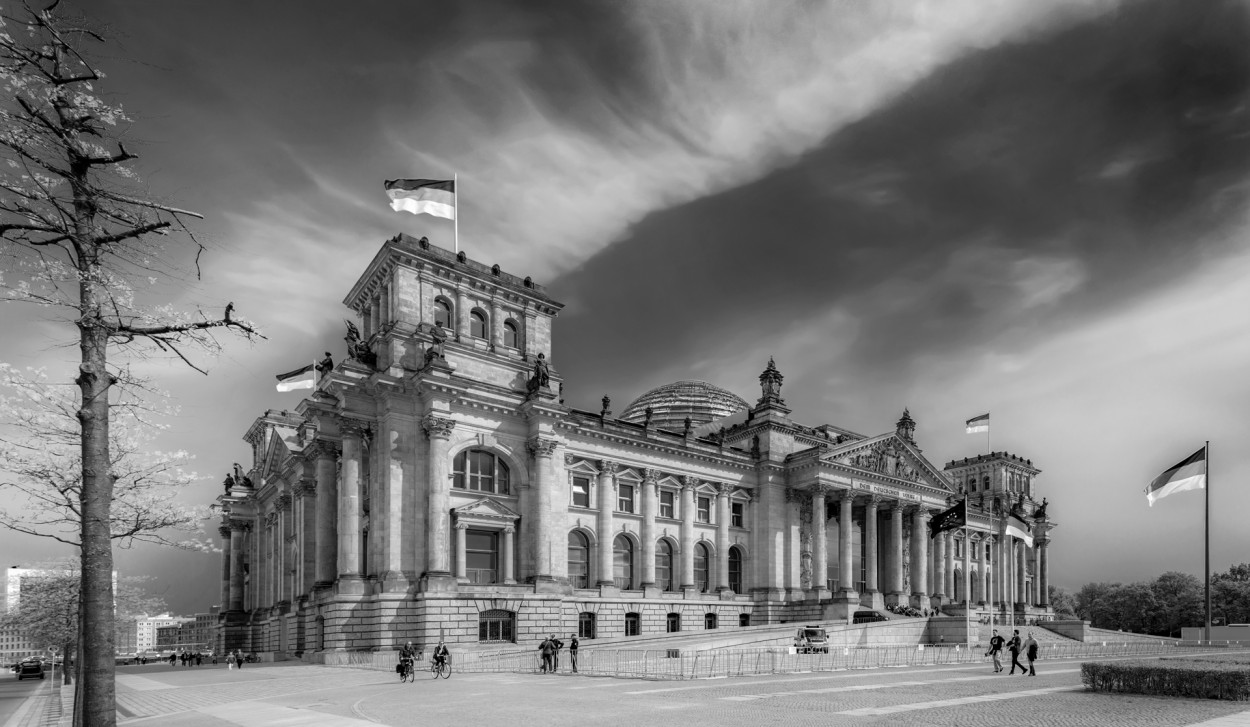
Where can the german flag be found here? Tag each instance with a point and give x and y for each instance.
(1188, 474)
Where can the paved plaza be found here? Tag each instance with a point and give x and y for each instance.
(312, 696)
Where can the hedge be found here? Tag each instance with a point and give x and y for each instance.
(1208, 679)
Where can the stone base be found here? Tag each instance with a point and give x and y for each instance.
(919, 601)
(350, 586)
(609, 591)
(874, 600)
(820, 594)
(841, 607)
(895, 599)
(396, 582)
(726, 594)
(438, 582)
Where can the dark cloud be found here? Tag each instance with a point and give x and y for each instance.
(1014, 190)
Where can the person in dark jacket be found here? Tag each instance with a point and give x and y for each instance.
(573, 651)
(996, 651)
(546, 649)
(1014, 647)
(1030, 652)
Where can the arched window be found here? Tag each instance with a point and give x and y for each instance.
(672, 623)
(985, 482)
(623, 562)
(480, 471)
(664, 565)
(477, 324)
(579, 560)
(632, 624)
(496, 625)
(442, 312)
(586, 625)
(972, 484)
(700, 567)
(511, 335)
(735, 569)
(709, 620)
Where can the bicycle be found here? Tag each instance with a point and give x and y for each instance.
(406, 672)
(441, 668)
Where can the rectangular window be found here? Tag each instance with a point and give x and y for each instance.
(625, 498)
(581, 492)
(705, 510)
(480, 556)
(666, 503)
(738, 510)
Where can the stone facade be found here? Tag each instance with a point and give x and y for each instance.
(435, 485)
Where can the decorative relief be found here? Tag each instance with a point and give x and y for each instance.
(756, 493)
(650, 476)
(725, 489)
(306, 487)
(436, 426)
(688, 482)
(540, 447)
(282, 502)
(354, 427)
(569, 460)
(241, 525)
(225, 531)
(608, 467)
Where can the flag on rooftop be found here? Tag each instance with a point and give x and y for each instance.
(978, 423)
(955, 517)
(1188, 474)
(1017, 527)
(301, 378)
(423, 196)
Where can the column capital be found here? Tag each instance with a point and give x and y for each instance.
(756, 493)
(1041, 542)
(820, 489)
(319, 448)
(874, 500)
(725, 489)
(225, 531)
(240, 525)
(509, 529)
(650, 476)
(437, 427)
(541, 447)
(689, 482)
(608, 467)
(282, 502)
(847, 497)
(898, 506)
(306, 487)
(462, 526)
(351, 427)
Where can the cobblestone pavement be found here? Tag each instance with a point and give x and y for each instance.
(310, 696)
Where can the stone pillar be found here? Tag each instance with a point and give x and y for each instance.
(509, 549)
(394, 515)
(846, 563)
(285, 534)
(327, 514)
(462, 567)
(967, 589)
(462, 315)
(650, 504)
(496, 325)
(820, 544)
(607, 504)
(349, 504)
(896, 595)
(237, 530)
(919, 556)
(939, 568)
(687, 531)
(1042, 573)
(722, 538)
(872, 582)
(373, 322)
(438, 430)
(224, 530)
(948, 585)
(544, 525)
(306, 532)
(1022, 553)
(984, 588)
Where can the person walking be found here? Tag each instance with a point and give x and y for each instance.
(1014, 647)
(238, 659)
(1030, 652)
(996, 651)
(573, 651)
(230, 661)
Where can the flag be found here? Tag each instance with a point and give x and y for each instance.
(423, 196)
(978, 423)
(956, 517)
(301, 378)
(1188, 474)
(1018, 528)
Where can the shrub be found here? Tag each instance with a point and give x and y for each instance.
(1206, 679)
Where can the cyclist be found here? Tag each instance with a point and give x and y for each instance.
(441, 653)
(407, 656)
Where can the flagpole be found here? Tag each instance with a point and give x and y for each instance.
(455, 198)
(1207, 536)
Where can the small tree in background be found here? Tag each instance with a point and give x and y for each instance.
(81, 236)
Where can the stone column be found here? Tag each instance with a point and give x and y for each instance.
(939, 568)
(224, 530)
(509, 545)
(1022, 553)
(846, 563)
(967, 590)
(438, 430)
(237, 530)
(462, 567)
(349, 503)
(948, 585)
(985, 586)
(544, 518)
(285, 534)
(394, 512)
(327, 513)
(919, 556)
(820, 544)
(462, 315)
(687, 531)
(607, 504)
(872, 583)
(896, 555)
(1042, 573)
(650, 504)
(496, 325)
(722, 538)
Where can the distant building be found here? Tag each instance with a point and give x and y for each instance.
(435, 485)
(14, 645)
(147, 627)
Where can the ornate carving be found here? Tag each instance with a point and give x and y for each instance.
(820, 489)
(540, 379)
(362, 350)
(756, 493)
(1040, 512)
(436, 426)
(569, 460)
(241, 525)
(509, 529)
(323, 448)
(306, 487)
(607, 466)
(875, 500)
(770, 384)
(607, 407)
(725, 489)
(282, 502)
(755, 446)
(688, 482)
(650, 476)
(906, 427)
(541, 447)
(647, 414)
(848, 498)
(462, 526)
(225, 531)
(354, 427)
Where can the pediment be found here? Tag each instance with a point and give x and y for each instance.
(891, 456)
(277, 451)
(486, 510)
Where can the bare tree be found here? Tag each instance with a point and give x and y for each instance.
(82, 235)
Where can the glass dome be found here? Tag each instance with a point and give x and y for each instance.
(672, 403)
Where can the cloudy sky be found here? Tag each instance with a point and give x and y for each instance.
(1033, 209)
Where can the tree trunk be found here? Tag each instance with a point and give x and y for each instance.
(98, 667)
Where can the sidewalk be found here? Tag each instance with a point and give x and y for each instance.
(45, 708)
